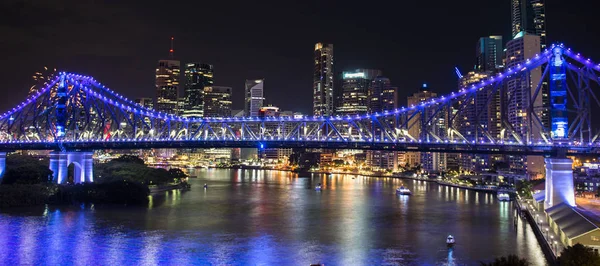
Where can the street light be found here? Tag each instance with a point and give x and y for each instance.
(555, 247)
(547, 234)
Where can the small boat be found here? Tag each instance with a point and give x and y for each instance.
(450, 241)
(403, 191)
(318, 187)
(205, 186)
(503, 196)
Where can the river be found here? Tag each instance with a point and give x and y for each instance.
(256, 217)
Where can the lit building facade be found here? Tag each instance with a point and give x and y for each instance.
(167, 86)
(217, 101)
(355, 87)
(254, 97)
(529, 16)
(519, 90)
(197, 77)
(415, 158)
(145, 102)
(489, 53)
(383, 97)
(323, 100)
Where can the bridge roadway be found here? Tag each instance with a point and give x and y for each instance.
(555, 150)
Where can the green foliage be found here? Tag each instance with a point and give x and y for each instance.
(20, 195)
(510, 260)
(23, 169)
(119, 192)
(129, 168)
(579, 255)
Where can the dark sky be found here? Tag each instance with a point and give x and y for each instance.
(119, 43)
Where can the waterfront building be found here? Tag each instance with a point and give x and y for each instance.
(323, 84)
(217, 101)
(518, 90)
(355, 95)
(254, 97)
(198, 76)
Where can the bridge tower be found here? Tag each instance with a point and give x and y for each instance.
(559, 173)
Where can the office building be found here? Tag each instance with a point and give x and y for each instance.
(167, 86)
(217, 101)
(383, 97)
(529, 16)
(489, 53)
(197, 77)
(518, 91)
(145, 102)
(254, 97)
(323, 100)
(430, 162)
(355, 87)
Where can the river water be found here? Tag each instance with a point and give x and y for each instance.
(255, 217)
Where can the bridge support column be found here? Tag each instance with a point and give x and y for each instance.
(559, 182)
(58, 165)
(83, 170)
(2, 165)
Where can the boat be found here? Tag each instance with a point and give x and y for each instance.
(503, 196)
(403, 191)
(450, 241)
(205, 186)
(318, 187)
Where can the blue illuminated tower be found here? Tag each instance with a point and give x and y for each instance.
(558, 94)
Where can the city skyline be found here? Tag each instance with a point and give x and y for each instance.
(286, 63)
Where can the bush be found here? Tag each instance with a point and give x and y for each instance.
(19, 195)
(118, 192)
(22, 169)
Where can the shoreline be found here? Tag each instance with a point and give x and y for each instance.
(439, 182)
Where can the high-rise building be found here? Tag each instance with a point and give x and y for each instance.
(167, 86)
(529, 16)
(254, 96)
(355, 95)
(383, 97)
(489, 53)
(217, 101)
(145, 102)
(323, 100)
(519, 90)
(431, 162)
(197, 77)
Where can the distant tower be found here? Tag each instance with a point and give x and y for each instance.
(323, 80)
(529, 16)
(197, 78)
(167, 83)
(254, 96)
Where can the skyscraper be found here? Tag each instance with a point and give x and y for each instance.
(414, 158)
(489, 53)
(167, 83)
(355, 95)
(254, 96)
(383, 97)
(197, 77)
(529, 16)
(217, 101)
(519, 89)
(167, 86)
(323, 101)
(145, 102)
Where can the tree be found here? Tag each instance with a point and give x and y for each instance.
(579, 255)
(510, 260)
(24, 169)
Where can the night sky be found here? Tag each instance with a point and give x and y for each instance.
(119, 44)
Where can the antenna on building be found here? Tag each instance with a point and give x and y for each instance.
(458, 73)
(171, 50)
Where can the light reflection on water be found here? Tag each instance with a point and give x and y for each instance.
(253, 217)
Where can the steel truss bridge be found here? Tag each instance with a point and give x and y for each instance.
(75, 112)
